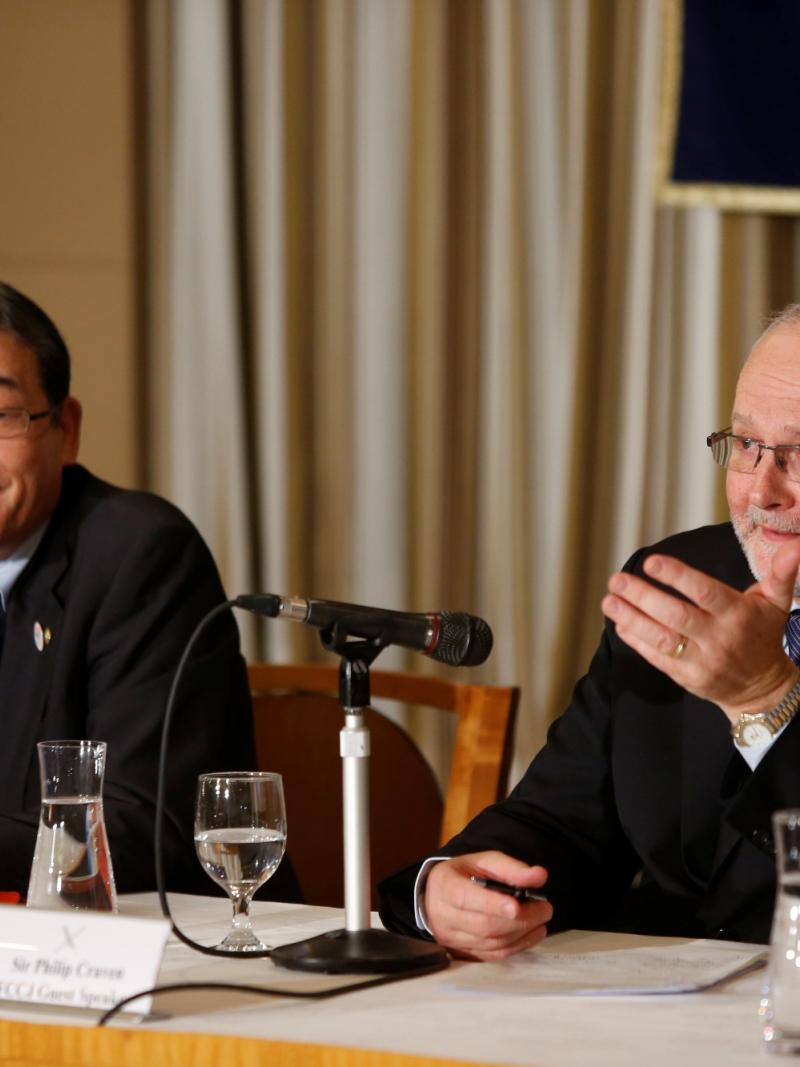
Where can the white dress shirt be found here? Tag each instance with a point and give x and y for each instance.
(13, 566)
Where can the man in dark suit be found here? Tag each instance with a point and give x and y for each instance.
(649, 807)
(100, 589)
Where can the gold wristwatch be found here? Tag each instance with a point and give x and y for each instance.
(761, 727)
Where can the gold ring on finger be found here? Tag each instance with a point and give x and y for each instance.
(680, 648)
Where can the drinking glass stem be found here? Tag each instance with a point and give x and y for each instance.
(241, 911)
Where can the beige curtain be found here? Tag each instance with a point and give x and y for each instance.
(432, 344)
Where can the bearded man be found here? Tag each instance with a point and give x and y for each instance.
(649, 808)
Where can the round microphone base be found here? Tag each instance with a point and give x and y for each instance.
(361, 952)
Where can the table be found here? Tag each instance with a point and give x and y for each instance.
(421, 1021)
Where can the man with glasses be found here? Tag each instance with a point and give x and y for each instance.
(649, 807)
(100, 589)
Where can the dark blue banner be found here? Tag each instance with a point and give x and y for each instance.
(734, 66)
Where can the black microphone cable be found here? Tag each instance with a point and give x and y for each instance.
(161, 790)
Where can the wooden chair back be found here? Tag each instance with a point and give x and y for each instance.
(297, 722)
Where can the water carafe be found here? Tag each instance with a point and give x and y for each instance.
(72, 863)
(780, 1003)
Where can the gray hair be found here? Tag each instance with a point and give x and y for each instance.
(789, 316)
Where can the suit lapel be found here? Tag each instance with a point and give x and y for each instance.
(714, 769)
(708, 754)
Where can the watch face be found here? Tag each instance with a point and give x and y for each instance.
(755, 733)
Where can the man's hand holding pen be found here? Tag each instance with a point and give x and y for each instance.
(477, 905)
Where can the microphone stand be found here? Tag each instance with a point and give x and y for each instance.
(357, 949)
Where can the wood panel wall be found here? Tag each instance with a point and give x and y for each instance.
(68, 219)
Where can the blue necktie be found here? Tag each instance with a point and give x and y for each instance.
(792, 634)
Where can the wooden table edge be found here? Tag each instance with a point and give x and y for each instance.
(25, 1044)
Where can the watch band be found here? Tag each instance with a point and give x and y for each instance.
(771, 720)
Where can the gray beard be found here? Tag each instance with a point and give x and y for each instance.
(744, 528)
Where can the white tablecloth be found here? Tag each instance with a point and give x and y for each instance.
(428, 1015)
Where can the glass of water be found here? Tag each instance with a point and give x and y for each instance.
(240, 838)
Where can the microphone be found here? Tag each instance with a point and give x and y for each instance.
(450, 637)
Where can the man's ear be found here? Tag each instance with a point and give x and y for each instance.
(70, 418)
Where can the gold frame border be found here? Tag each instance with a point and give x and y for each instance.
(671, 39)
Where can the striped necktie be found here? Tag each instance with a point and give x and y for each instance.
(792, 634)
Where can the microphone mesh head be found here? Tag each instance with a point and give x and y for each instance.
(464, 640)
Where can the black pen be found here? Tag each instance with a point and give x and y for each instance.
(516, 891)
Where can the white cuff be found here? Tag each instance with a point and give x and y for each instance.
(753, 754)
(419, 892)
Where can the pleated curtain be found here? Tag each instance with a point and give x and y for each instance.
(424, 339)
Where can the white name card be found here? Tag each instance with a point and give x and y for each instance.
(78, 959)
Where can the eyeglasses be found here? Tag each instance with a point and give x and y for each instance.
(743, 454)
(14, 422)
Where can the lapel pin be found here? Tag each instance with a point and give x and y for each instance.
(42, 635)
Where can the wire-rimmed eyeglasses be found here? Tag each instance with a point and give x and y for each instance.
(14, 422)
(743, 454)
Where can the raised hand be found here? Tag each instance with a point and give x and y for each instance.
(720, 644)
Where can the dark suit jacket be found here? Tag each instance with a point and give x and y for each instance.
(640, 778)
(120, 580)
